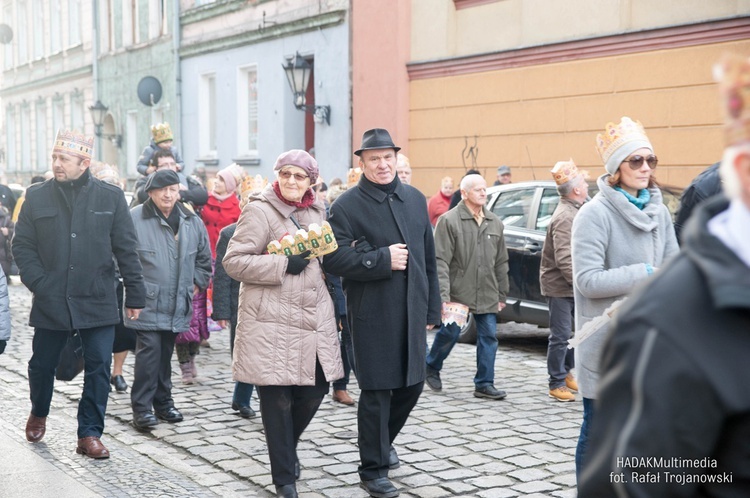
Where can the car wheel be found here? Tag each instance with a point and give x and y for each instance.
(468, 334)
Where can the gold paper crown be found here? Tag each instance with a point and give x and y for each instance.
(564, 171)
(616, 135)
(161, 132)
(105, 172)
(319, 240)
(352, 177)
(733, 75)
(73, 144)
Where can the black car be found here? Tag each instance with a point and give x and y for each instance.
(526, 209)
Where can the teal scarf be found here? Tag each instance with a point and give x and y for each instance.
(640, 202)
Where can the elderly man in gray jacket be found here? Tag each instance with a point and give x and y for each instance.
(176, 258)
(472, 264)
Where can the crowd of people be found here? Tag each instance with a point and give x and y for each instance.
(660, 334)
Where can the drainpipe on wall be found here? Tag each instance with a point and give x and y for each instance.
(95, 65)
(178, 72)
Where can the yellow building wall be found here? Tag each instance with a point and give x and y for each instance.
(530, 117)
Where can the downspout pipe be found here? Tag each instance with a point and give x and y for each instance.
(178, 74)
(95, 64)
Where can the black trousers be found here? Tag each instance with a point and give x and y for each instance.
(381, 416)
(152, 377)
(286, 412)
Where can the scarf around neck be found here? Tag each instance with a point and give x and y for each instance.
(307, 200)
(641, 201)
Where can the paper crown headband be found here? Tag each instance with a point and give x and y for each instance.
(564, 171)
(73, 144)
(619, 140)
(733, 75)
(105, 172)
(161, 132)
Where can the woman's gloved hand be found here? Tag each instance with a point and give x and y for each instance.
(297, 263)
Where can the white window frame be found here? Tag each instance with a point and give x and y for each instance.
(74, 23)
(25, 132)
(22, 16)
(132, 141)
(130, 28)
(157, 17)
(39, 29)
(77, 116)
(11, 159)
(58, 115)
(245, 147)
(40, 112)
(55, 31)
(8, 50)
(207, 115)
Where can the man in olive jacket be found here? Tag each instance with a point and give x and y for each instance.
(67, 232)
(472, 264)
(386, 257)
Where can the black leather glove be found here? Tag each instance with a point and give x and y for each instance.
(297, 263)
(2, 346)
(361, 245)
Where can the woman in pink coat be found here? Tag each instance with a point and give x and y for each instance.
(286, 341)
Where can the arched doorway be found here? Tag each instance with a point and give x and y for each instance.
(109, 149)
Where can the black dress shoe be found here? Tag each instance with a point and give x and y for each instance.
(287, 491)
(144, 420)
(119, 382)
(380, 488)
(245, 411)
(393, 461)
(171, 415)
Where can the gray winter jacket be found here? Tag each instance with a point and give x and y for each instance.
(171, 267)
(612, 242)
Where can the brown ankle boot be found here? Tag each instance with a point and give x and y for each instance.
(35, 428)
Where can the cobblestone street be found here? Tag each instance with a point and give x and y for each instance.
(453, 444)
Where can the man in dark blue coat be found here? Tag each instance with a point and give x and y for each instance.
(67, 233)
(386, 257)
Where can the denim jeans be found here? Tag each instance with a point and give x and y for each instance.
(97, 353)
(583, 439)
(447, 336)
(560, 359)
(242, 393)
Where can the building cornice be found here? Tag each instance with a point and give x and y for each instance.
(603, 46)
(321, 21)
(52, 79)
(210, 10)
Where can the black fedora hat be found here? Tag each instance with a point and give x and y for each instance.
(377, 138)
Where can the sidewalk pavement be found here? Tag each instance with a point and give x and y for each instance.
(453, 445)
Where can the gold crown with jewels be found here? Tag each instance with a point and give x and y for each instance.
(74, 144)
(564, 171)
(161, 132)
(733, 75)
(617, 135)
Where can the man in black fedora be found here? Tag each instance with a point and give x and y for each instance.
(386, 257)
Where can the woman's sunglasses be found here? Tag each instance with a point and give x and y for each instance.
(636, 162)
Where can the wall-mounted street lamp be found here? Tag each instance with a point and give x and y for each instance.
(98, 113)
(297, 72)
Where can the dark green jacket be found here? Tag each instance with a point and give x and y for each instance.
(472, 260)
